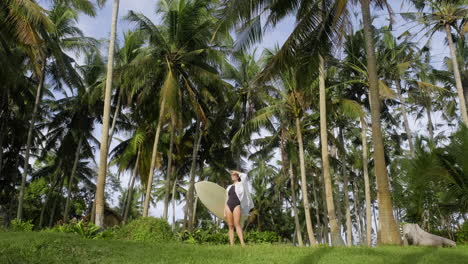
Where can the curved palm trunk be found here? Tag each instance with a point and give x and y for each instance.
(70, 181)
(404, 113)
(191, 188)
(349, 233)
(456, 72)
(334, 228)
(130, 189)
(305, 199)
(294, 201)
(168, 176)
(389, 230)
(19, 214)
(101, 181)
(366, 182)
(153, 158)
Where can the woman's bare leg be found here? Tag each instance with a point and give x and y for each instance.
(237, 216)
(230, 222)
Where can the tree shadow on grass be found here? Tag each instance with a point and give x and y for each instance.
(359, 254)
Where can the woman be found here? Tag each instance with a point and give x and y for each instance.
(238, 204)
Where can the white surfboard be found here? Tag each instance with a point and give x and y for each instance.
(212, 196)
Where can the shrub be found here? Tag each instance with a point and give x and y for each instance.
(21, 226)
(208, 236)
(146, 229)
(262, 237)
(84, 229)
(462, 234)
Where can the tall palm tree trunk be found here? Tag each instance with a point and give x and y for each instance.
(317, 213)
(389, 230)
(456, 72)
(349, 231)
(404, 113)
(357, 211)
(297, 232)
(114, 119)
(430, 125)
(366, 182)
(101, 181)
(294, 205)
(334, 228)
(130, 189)
(325, 230)
(305, 198)
(153, 158)
(173, 200)
(41, 75)
(168, 176)
(193, 167)
(56, 199)
(70, 181)
(53, 185)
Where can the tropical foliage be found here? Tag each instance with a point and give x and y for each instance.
(346, 130)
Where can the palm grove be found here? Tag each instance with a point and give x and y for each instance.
(323, 121)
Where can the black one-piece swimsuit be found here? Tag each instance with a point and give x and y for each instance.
(233, 200)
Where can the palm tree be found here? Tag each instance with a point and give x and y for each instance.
(388, 228)
(101, 180)
(65, 37)
(445, 15)
(185, 62)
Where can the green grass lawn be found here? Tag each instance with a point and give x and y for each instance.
(65, 248)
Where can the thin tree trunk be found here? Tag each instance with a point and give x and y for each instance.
(430, 125)
(2, 136)
(193, 167)
(456, 72)
(294, 201)
(101, 181)
(168, 175)
(153, 158)
(305, 198)
(56, 199)
(70, 181)
(317, 212)
(334, 228)
(366, 182)
(357, 212)
(325, 218)
(349, 231)
(53, 185)
(404, 113)
(114, 119)
(130, 188)
(41, 75)
(390, 232)
(173, 201)
(194, 211)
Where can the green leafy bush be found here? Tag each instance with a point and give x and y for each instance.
(208, 236)
(21, 226)
(462, 234)
(146, 229)
(262, 237)
(84, 229)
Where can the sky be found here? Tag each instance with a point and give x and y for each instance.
(99, 28)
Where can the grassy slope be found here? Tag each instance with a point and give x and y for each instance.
(64, 248)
